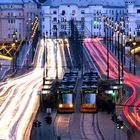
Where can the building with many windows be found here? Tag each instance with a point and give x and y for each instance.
(89, 16)
(57, 14)
(133, 7)
(16, 19)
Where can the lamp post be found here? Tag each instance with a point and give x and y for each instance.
(112, 29)
(50, 27)
(122, 54)
(45, 58)
(107, 35)
(91, 27)
(115, 30)
(118, 56)
(99, 26)
(134, 45)
(130, 41)
(14, 36)
(107, 57)
(106, 42)
(56, 55)
(122, 45)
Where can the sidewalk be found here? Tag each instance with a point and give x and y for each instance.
(46, 131)
(108, 128)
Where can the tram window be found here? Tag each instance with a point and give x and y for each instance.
(66, 98)
(90, 98)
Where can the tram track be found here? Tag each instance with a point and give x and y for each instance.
(89, 127)
(62, 126)
(77, 126)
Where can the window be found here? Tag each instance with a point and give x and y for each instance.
(19, 35)
(63, 12)
(112, 12)
(82, 11)
(11, 14)
(55, 27)
(138, 10)
(54, 19)
(8, 35)
(62, 26)
(120, 11)
(73, 12)
(54, 12)
(82, 19)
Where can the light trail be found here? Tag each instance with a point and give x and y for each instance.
(98, 52)
(19, 96)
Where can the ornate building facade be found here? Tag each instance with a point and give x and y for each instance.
(89, 16)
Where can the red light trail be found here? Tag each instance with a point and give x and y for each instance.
(98, 51)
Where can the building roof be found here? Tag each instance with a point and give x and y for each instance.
(10, 1)
(14, 1)
(130, 0)
(137, 3)
(85, 3)
(114, 3)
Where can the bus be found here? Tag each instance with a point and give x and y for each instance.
(88, 99)
(65, 100)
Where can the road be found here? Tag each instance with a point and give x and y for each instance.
(75, 126)
(19, 100)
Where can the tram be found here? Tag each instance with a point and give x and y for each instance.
(65, 99)
(92, 73)
(66, 92)
(88, 99)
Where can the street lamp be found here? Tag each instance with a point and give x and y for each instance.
(115, 31)
(118, 56)
(14, 36)
(122, 44)
(106, 42)
(56, 52)
(45, 57)
(107, 57)
(130, 41)
(134, 45)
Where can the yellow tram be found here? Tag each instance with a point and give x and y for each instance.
(65, 100)
(88, 99)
